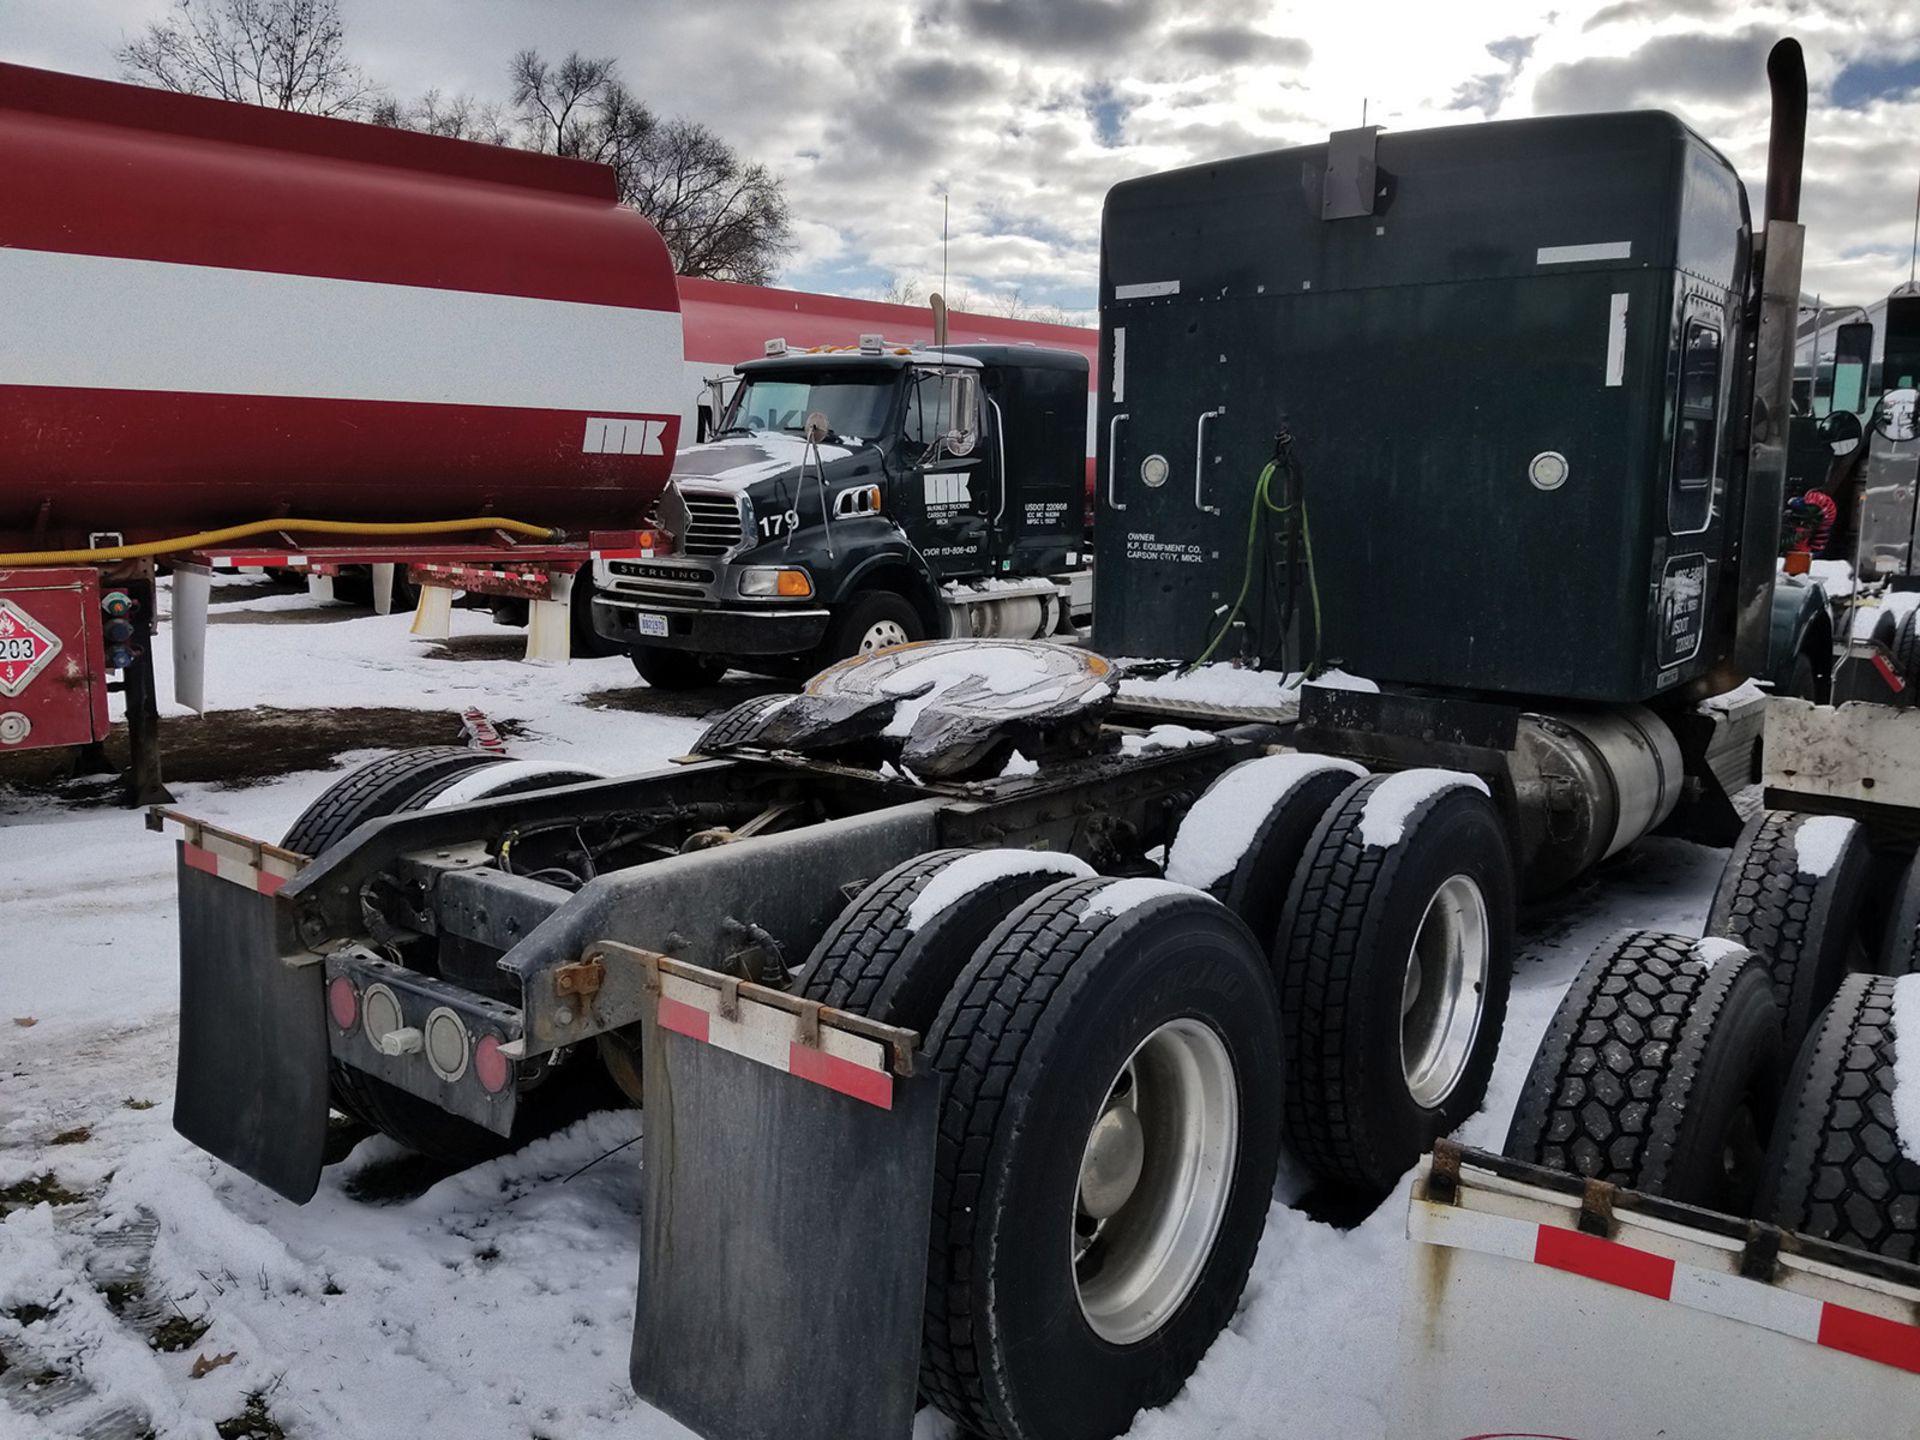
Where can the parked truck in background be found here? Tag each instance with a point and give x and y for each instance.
(856, 497)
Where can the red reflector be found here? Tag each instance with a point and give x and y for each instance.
(490, 1067)
(342, 1002)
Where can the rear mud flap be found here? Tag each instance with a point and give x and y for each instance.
(786, 1186)
(252, 1082)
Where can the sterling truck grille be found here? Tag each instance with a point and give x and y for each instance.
(713, 524)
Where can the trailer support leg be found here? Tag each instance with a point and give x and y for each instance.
(144, 786)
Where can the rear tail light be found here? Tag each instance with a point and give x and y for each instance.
(446, 1044)
(342, 1002)
(492, 1069)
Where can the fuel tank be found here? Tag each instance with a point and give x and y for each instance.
(218, 313)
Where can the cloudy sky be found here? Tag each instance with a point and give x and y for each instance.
(1025, 111)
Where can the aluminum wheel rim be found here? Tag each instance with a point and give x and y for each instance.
(1444, 990)
(883, 635)
(1162, 1177)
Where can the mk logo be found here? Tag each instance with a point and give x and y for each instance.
(623, 437)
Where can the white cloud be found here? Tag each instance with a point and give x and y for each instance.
(1026, 111)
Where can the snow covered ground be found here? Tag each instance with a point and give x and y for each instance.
(498, 1301)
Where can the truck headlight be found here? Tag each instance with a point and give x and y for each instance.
(768, 580)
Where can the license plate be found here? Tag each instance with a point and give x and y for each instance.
(652, 624)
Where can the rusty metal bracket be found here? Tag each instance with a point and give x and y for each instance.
(1443, 1177)
(1760, 1256)
(583, 978)
(810, 1023)
(197, 831)
(1596, 1208)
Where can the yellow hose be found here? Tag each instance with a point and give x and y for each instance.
(267, 527)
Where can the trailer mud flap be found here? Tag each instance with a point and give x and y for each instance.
(252, 1083)
(786, 1186)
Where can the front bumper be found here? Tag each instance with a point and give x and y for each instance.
(713, 629)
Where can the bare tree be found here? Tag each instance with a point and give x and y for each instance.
(721, 216)
(459, 117)
(290, 54)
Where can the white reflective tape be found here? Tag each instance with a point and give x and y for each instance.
(1574, 254)
(1747, 1301)
(1145, 289)
(1119, 364)
(1617, 339)
(765, 1033)
(102, 322)
(1431, 1224)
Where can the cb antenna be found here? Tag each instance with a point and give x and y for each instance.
(1913, 252)
(943, 242)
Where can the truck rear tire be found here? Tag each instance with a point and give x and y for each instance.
(1244, 837)
(1394, 957)
(1660, 1071)
(1105, 1160)
(562, 1095)
(895, 952)
(1900, 946)
(872, 620)
(1906, 647)
(665, 669)
(1836, 1169)
(381, 787)
(1793, 896)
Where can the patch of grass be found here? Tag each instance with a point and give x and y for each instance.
(253, 1423)
(123, 1293)
(79, 1135)
(27, 1314)
(133, 1104)
(488, 1255)
(178, 1332)
(330, 1288)
(41, 1189)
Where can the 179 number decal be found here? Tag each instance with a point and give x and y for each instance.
(778, 523)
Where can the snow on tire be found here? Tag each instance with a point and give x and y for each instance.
(896, 950)
(1791, 892)
(1660, 1071)
(1395, 952)
(1842, 1162)
(1105, 1160)
(1243, 838)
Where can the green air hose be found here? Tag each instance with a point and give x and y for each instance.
(1263, 504)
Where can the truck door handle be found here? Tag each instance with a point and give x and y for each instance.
(1200, 460)
(1113, 459)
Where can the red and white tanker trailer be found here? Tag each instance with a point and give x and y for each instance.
(237, 337)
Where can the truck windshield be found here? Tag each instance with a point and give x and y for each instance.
(856, 406)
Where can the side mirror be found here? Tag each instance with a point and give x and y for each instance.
(1895, 416)
(962, 404)
(1852, 354)
(1841, 430)
(718, 396)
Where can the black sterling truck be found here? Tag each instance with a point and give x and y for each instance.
(860, 497)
